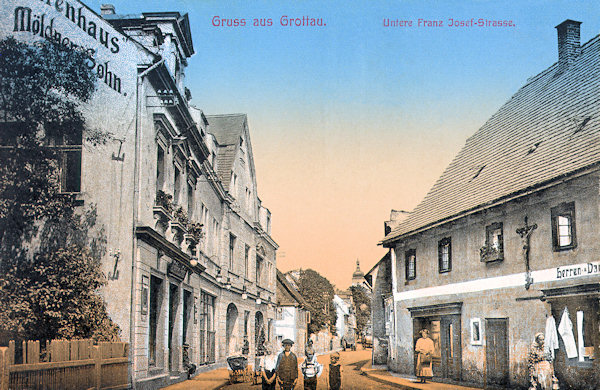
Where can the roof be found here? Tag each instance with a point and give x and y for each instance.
(290, 296)
(548, 130)
(227, 130)
(180, 22)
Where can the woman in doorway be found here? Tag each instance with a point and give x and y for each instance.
(541, 371)
(424, 349)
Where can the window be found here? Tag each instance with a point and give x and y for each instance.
(67, 141)
(494, 243)
(445, 255)
(246, 257)
(248, 198)
(411, 264)
(259, 264)
(190, 201)
(234, 185)
(176, 185)
(563, 227)
(160, 168)
(231, 250)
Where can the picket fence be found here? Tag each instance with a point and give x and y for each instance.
(65, 365)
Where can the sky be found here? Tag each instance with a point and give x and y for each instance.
(352, 119)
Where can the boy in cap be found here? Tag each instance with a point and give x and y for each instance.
(311, 369)
(287, 366)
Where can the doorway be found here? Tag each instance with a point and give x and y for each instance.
(173, 304)
(445, 331)
(496, 351)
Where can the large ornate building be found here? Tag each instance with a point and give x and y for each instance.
(191, 263)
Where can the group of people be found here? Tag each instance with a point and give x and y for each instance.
(282, 369)
(539, 361)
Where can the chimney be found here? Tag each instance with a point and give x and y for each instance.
(568, 43)
(107, 9)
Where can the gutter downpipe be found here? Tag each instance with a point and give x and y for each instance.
(136, 205)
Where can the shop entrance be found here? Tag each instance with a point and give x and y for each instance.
(496, 351)
(580, 305)
(444, 325)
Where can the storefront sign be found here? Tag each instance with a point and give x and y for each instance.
(573, 271)
(177, 270)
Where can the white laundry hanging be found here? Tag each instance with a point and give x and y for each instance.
(580, 343)
(565, 328)
(551, 336)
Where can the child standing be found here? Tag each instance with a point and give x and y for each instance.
(335, 372)
(311, 369)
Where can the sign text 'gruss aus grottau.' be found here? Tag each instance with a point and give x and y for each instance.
(42, 25)
(572, 271)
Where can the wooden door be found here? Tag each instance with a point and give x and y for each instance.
(496, 351)
(451, 347)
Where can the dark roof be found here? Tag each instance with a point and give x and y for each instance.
(549, 129)
(287, 295)
(227, 130)
(180, 22)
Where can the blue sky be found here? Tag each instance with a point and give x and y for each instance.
(353, 119)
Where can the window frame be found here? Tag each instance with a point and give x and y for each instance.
(489, 236)
(566, 209)
(441, 244)
(232, 239)
(410, 255)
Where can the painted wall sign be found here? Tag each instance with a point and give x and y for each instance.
(576, 270)
(68, 24)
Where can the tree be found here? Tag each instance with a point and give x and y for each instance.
(50, 249)
(362, 307)
(318, 293)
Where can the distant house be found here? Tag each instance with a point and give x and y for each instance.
(508, 237)
(292, 315)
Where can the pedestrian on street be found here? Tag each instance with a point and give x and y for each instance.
(268, 365)
(334, 377)
(424, 349)
(287, 366)
(541, 371)
(311, 369)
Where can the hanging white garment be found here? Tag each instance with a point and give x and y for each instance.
(580, 343)
(551, 336)
(565, 328)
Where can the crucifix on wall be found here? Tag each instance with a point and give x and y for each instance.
(525, 234)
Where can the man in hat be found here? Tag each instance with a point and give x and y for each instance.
(287, 366)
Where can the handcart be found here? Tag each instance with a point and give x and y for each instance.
(238, 369)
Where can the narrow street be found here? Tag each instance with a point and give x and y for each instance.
(352, 361)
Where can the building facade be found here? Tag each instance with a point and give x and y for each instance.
(190, 261)
(293, 316)
(507, 238)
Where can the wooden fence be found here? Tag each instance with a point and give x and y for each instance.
(64, 365)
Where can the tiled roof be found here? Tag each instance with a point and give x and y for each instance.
(287, 295)
(227, 130)
(547, 130)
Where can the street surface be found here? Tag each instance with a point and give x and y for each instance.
(351, 361)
